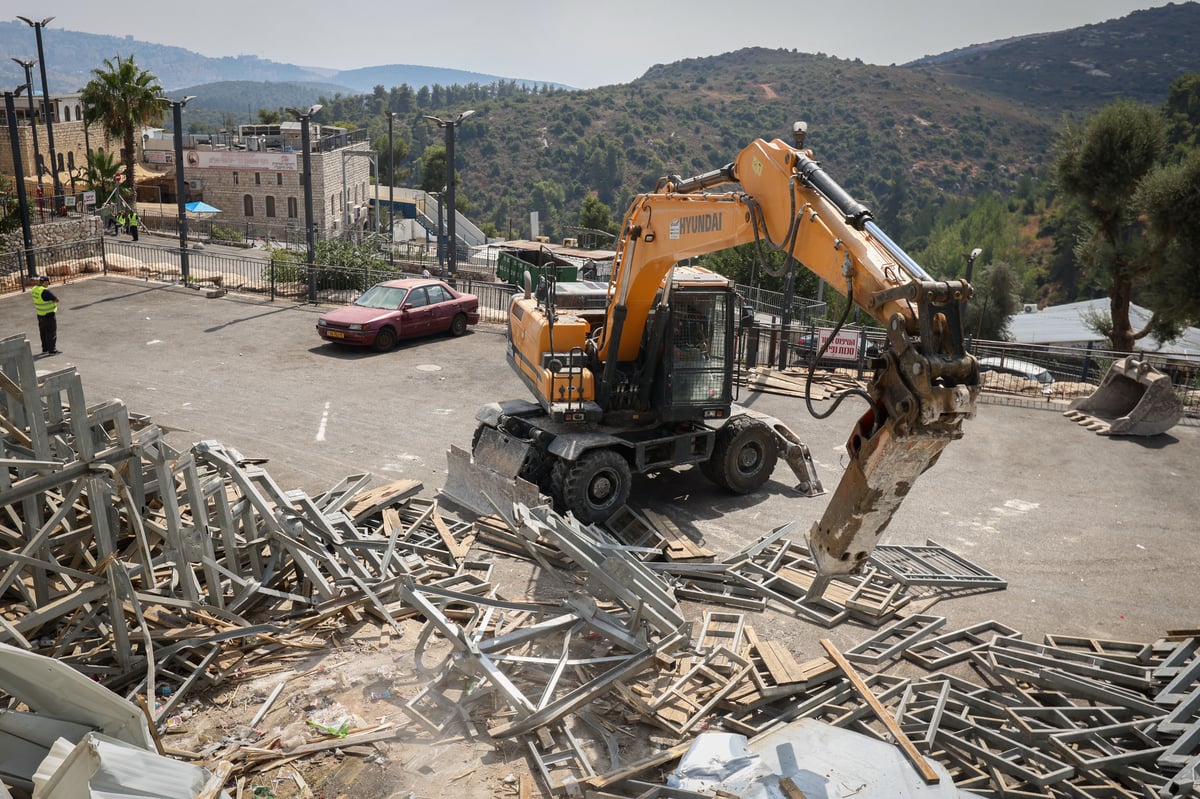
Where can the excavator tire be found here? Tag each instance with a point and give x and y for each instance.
(744, 456)
(594, 487)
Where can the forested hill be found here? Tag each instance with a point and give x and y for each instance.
(1084, 68)
(900, 138)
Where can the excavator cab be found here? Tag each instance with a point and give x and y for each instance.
(695, 373)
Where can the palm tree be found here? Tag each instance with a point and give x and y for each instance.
(101, 175)
(122, 98)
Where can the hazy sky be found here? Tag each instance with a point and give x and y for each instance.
(581, 44)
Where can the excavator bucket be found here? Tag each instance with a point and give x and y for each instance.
(487, 481)
(1133, 399)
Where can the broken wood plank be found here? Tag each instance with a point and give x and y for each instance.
(923, 768)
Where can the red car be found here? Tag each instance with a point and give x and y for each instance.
(396, 309)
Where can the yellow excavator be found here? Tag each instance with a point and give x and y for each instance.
(635, 375)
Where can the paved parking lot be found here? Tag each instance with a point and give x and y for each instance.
(1096, 536)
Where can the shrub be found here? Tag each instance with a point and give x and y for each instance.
(218, 233)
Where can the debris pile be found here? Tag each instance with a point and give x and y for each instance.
(166, 574)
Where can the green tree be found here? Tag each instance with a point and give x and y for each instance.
(122, 98)
(399, 152)
(994, 302)
(433, 168)
(595, 215)
(268, 117)
(10, 214)
(101, 175)
(1170, 199)
(1100, 166)
(1182, 110)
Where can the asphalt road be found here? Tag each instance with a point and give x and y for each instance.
(1096, 536)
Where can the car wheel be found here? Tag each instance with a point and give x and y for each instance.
(385, 340)
(458, 325)
(594, 487)
(743, 457)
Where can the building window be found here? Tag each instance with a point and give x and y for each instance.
(257, 179)
(247, 205)
(235, 178)
(278, 178)
(67, 113)
(333, 203)
(270, 206)
(292, 208)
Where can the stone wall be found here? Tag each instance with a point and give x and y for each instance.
(55, 234)
(70, 145)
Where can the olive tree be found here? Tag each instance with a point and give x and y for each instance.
(1135, 243)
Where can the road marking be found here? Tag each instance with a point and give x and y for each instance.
(154, 341)
(321, 426)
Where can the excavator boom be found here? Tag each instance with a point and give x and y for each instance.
(596, 371)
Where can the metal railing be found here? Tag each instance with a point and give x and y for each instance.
(57, 261)
(1013, 372)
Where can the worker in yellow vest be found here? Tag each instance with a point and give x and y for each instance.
(46, 305)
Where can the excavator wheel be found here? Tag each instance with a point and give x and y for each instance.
(744, 456)
(594, 487)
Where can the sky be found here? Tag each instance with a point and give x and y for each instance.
(578, 44)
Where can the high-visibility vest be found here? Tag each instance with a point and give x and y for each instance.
(43, 307)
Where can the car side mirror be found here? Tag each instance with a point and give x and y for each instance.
(406, 306)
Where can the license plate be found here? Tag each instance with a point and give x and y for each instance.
(335, 334)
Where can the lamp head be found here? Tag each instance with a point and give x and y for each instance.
(799, 132)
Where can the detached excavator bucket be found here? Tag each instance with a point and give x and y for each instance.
(1133, 399)
(487, 483)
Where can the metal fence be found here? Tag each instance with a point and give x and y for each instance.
(60, 260)
(1033, 376)
(1023, 375)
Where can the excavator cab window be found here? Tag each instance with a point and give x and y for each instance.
(696, 358)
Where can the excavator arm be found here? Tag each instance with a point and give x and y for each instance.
(925, 383)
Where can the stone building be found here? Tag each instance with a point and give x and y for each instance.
(72, 140)
(256, 178)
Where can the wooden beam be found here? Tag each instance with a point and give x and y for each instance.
(910, 751)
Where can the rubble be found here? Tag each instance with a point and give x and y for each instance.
(171, 576)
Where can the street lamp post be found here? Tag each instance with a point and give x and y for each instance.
(305, 118)
(391, 115)
(180, 183)
(37, 29)
(37, 155)
(438, 245)
(449, 125)
(19, 172)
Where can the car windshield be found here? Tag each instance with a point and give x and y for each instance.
(382, 297)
